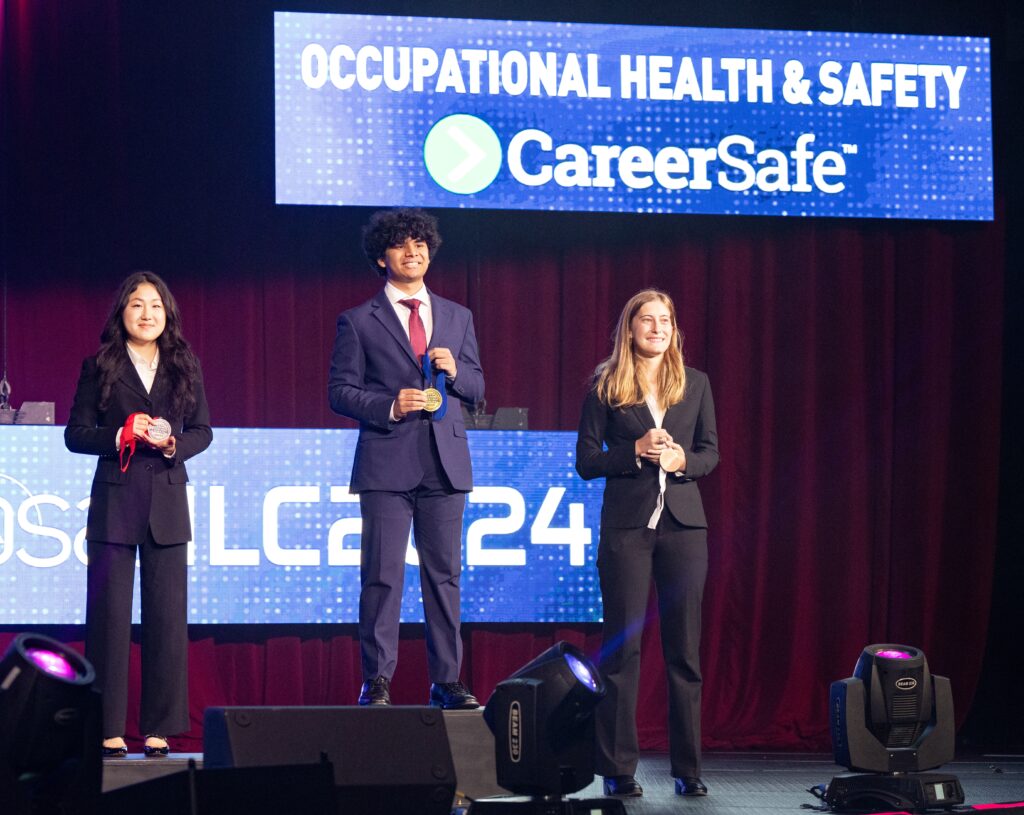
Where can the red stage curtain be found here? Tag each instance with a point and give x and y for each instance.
(856, 368)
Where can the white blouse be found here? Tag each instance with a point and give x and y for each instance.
(659, 416)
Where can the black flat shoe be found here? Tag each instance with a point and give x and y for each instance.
(690, 786)
(622, 786)
(154, 752)
(115, 752)
(452, 696)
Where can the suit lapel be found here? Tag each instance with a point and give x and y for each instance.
(641, 416)
(384, 312)
(675, 417)
(130, 377)
(161, 393)
(442, 319)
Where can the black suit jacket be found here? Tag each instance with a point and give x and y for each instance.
(151, 494)
(605, 449)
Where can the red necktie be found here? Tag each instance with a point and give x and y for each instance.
(417, 334)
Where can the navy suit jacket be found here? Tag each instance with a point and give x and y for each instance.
(605, 448)
(151, 494)
(371, 362)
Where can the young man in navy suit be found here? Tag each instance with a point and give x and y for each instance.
(412, 459)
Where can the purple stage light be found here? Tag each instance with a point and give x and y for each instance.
(892, 654)
(51, 662)
(581, 671)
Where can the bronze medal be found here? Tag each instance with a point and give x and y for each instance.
(671, 460)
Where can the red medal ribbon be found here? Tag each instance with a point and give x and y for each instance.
(128, 441)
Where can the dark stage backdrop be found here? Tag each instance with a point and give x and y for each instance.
(856, 365)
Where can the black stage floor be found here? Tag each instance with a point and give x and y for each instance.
(739, 783)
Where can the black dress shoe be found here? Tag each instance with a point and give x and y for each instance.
(690, 786)
(452, 696)
(156, 751)
(376, 691)
(622, 786)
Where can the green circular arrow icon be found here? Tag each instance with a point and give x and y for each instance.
(462, 153)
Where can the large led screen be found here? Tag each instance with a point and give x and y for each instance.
(277, 533)
(441, 112)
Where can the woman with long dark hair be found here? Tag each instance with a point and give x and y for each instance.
(648, 428)
(140, 407)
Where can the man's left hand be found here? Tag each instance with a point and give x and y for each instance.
(442, 360)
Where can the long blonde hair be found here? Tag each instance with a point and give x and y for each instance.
(618, 380)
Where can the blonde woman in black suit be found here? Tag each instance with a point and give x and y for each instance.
(144, 370)
(648, 428)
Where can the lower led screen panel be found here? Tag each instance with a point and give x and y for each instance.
(277, 533)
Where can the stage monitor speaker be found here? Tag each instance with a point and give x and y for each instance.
(511, 418)
(306, 789)
(389, 759)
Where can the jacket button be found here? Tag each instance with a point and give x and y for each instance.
(149, 467)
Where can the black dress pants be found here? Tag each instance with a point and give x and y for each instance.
(677, 558)
(108, 633)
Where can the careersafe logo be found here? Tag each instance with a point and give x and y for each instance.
(463, 154)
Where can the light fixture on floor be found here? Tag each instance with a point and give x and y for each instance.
(542, 720)
(892, 721)
(50, 729)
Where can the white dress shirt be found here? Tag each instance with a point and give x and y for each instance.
(147, 373)
(394, 295)
(146, 370)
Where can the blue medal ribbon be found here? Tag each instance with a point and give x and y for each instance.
(437, 381)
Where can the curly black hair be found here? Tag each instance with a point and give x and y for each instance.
(392, 227)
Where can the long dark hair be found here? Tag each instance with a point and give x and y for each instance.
(176, 357)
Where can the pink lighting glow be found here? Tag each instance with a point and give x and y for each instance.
(890, 654)
(51, 662)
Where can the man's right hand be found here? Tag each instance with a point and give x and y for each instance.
(409, 400)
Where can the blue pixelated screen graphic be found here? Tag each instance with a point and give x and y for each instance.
(442, 112)
(276, 534)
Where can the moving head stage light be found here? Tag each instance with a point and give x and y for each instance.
(49, 728)
(542, 720)
(891, 721)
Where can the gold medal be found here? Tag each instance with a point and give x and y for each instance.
(671, 460)
(434, 401)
